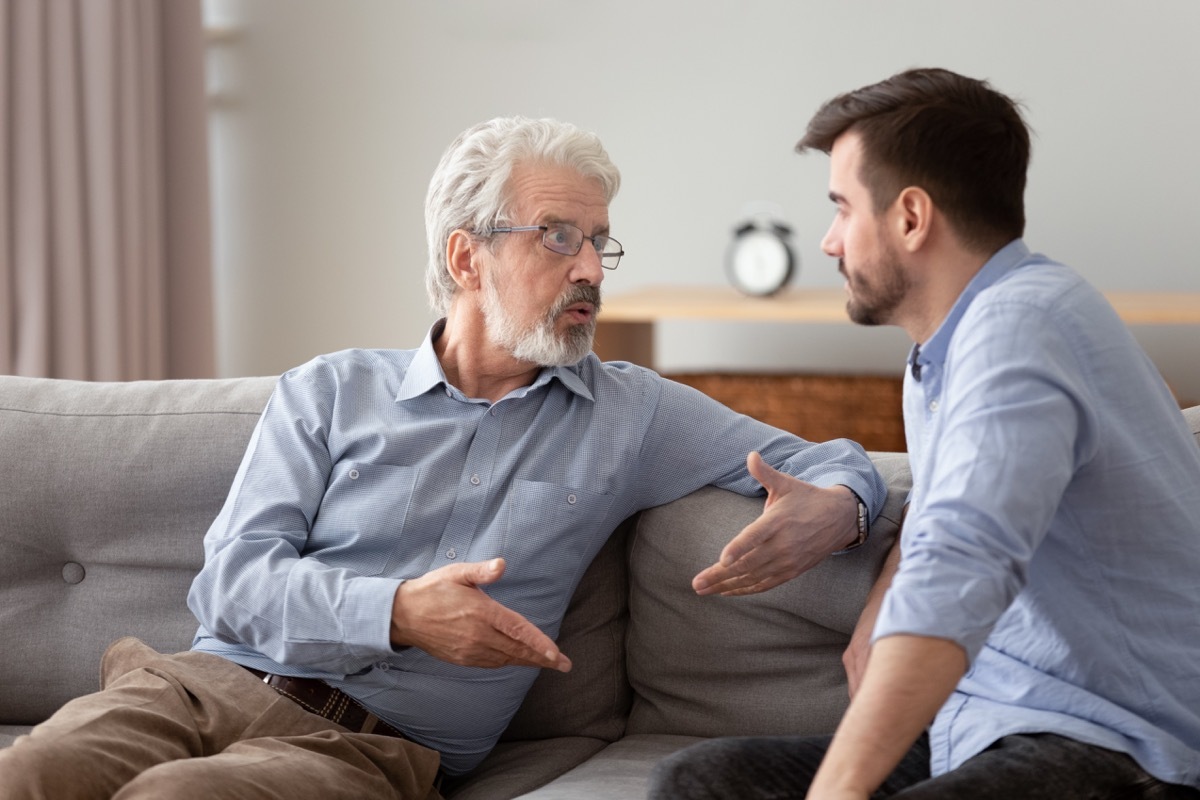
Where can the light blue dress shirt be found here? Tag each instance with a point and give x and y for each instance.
(368, 468)
(1054, 524)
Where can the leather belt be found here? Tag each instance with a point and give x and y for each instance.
(325, 701)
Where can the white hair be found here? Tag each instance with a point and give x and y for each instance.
(469, 188)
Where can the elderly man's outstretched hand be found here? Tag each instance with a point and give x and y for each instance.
(800, 525)
(445, 614)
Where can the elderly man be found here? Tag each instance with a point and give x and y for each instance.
(1044, 612)
(401, 540)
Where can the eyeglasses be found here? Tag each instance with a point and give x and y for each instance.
(568, 240)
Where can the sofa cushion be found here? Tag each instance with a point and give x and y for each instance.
(514, 768)
(620, 771)
(108, 489)
(593, 698)
(574, 714)
(1192, 415)
(762, 664)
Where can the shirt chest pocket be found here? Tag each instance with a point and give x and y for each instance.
(362, 516)
(551, 534)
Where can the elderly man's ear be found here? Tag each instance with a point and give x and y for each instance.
(462, 255)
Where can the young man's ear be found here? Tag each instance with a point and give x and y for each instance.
(913, 217)
(462, 257)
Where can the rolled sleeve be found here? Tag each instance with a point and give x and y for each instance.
(1009, 435)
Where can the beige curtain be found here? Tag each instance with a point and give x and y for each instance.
(104, 221)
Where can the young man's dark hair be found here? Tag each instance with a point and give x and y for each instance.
(956, 137)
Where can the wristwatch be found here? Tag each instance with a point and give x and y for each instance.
(864, 525)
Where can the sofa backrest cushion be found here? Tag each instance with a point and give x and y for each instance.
(106, 491)
(1192, 415)
(762, 664)
(592, 699)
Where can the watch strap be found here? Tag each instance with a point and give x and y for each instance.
(864, 525)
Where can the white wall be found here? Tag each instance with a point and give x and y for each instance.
(335, 114)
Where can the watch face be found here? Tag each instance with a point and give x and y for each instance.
(760, 262)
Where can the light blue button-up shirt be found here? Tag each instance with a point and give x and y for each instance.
(368, 468)
(1054, 524)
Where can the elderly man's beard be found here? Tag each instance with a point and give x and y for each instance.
(541, 344)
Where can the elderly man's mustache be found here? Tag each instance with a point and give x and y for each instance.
(577, 294)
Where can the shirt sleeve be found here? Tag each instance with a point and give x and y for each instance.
(256, 588)
(1002, 443)
(693, 441)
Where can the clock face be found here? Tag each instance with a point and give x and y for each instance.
(760, 262)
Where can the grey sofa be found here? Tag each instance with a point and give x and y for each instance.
(106, 490)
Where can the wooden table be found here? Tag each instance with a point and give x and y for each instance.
(625, 328)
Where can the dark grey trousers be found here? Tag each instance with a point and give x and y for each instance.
(1025, 767)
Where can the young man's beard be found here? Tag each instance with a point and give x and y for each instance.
(541, 343)
(875, 303)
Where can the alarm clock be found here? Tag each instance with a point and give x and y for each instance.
(760, 260)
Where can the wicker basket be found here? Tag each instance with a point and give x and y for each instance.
(865, 408)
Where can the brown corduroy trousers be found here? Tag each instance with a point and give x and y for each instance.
(193, 725)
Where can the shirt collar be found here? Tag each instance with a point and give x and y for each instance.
(425, 373)
(1002, 262)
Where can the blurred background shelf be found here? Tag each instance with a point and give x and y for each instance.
(818, 407)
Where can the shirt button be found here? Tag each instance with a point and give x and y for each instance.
(384, 666)
(475, 479)
(933, 405)
(451, 554)
(571, 499)
(353, 474)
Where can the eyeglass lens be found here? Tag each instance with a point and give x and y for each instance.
(567, 240)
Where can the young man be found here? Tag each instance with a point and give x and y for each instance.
(405, 531)
(1045, 613)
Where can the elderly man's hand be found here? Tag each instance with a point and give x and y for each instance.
(799, 526)
(445, 614)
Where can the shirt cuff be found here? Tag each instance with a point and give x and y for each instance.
(366, 616)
